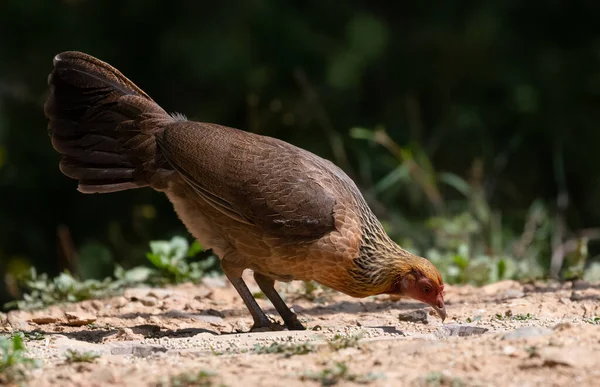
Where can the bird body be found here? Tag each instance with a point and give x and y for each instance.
(318, 240)
(258, 202)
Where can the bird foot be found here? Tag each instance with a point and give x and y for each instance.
(295, 325)
(266, 327)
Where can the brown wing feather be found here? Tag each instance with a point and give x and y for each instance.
(251, 178)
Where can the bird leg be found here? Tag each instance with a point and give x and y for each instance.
(261, 320)
(267, 285)
(234, 274)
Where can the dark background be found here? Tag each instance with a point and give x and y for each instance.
(503, 94)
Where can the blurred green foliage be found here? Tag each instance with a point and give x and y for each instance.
(170, 263)
(170, 258)
(14, 364)
(488, 162)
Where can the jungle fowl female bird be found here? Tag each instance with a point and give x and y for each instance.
(258, 202)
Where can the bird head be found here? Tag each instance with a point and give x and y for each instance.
(423, 282)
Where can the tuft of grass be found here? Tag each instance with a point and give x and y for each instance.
(287, 350)
(341, 341)
(518, 317)
(439, 379)
(474, 319)
(31, 336)
(106, 327)
(14, 364)
(72, 356)
(532, 351)
(233, 349)
(339, 373)
(592, 320)
(523, 317)
(192, 379)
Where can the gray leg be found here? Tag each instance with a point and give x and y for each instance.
(234, 275)
(260, 318)
(267, 285)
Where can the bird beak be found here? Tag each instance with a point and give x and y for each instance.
(440, 311)
(440, 307)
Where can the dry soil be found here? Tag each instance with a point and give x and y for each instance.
(504, 334)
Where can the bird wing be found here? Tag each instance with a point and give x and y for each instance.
(253, 179)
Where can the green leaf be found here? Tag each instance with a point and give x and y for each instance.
(138, 274)
(195, 248)
(501, 268)
(161, 248)
(157, 260)
(18, 343)
(460, 261)
(179, 247)
(456, 182)
(398, 174)
(362, 134)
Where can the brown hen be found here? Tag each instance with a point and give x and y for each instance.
(258, 202)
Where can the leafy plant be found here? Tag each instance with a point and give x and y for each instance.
(592, 320)
(63, 288)
(439, 379)
(523, 317)
(474, 319)
(170, 260)
(198, 379)
(72, 356)
(13, 361)
(32, 335)
(343, 341)
(288, 350)
(518, 317)
(192, 379)
(338, 373)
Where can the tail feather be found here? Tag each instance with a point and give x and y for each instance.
(102, 124)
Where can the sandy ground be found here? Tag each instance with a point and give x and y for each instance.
(504, 334)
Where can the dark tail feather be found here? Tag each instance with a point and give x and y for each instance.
(102, 124)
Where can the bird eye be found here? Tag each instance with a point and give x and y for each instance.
(427, 289)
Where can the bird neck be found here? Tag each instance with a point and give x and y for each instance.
(381, 263)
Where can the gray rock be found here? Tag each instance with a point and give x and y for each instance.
(78, 319)
(135, 294)
(18, 321)
(148, 301)
(513, 293)
(580, 285)
(161, 293)
(416, 316)
(571, 357)
(585, 294)
(147, 350)
(207, 318)
(44, 319)
(139, 350)
(526, 332)
(214, 282)
(459, 330)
